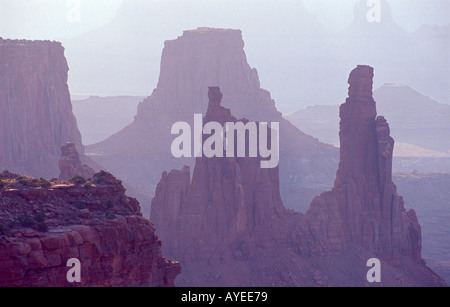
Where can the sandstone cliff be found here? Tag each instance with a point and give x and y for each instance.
(70, 164)
(35, 110)
(200, 58)
(372, 213)
(43, 225)
(228, 198)
(229, 227)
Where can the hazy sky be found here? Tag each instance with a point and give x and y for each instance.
(58, 19)
(53, 19)
(410, 14)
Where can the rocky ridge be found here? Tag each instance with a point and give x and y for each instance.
(229, 227)
(43, 225)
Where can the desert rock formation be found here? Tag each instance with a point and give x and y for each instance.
(229, 227)
(43, 225)
(372, 213)
(36, 116)
(199, 58)
(70, 164)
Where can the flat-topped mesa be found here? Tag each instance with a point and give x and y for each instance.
(201, 58)
(24, 42)
(189, 64)
(36, 116)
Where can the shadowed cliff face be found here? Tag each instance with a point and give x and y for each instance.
(229, 227)
(35, 110)
(227, 200)
(364, 179)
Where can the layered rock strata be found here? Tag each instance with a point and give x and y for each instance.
(44, 225)
(36, 116)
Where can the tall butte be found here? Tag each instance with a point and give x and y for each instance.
(229, 227)
(373, 212)
(199, 58)
(36, 116)
(227, 200)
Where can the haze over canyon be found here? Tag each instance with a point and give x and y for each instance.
(115, 152)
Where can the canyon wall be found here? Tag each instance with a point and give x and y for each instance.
(36, 116)
(43, 225)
